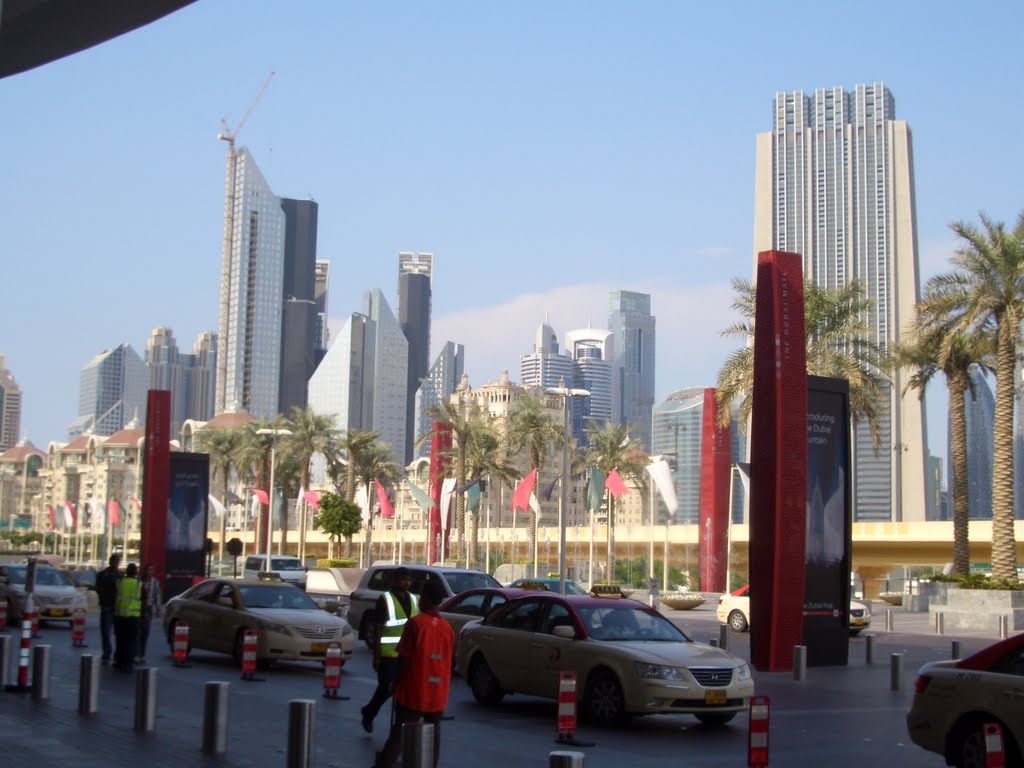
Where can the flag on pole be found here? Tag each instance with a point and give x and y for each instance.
(422, 499)
(362, 500)
(548, 489)
(521, 495)
(254, 508)
(69, 514)
(138, 504)
(595, 489)
(386, 511)
(97, 521)
(661, 475)
(261, 495)
(447, 489)
(312, 498)
(53, 517)
(473, 497)
(464, 488)
(534, 504)
(218, 508)
(615, 485)
(232, 498)
(114, 512)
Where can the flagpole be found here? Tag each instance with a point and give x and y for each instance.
(590, 565)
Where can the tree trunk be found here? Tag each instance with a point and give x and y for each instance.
(1004, 547)
(957, 386)
(460, 501)
(348, 547)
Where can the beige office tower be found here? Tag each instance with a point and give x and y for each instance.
(835, 182)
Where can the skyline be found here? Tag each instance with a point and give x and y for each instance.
(541, 171)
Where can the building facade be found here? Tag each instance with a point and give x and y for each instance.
(10, 408)
(111, 392)
(591, 350)
(322, 281)
(299, 320)
(188, 377)
(835, 182)
(415, 275)
(19, 483)
(437, 387)
(633, 331)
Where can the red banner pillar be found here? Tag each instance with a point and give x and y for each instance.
(156, 472)
(715, 475)
(778, 463)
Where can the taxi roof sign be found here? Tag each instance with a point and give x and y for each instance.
(607, 590)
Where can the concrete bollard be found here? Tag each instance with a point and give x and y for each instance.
(41, 672)
(888, 620)
(417, 745)
(955, 650)
(88, 684)
(799, 662)
(869, 649)
(562, 759)
(896, 672)
(301, 733)
(723, 636)
(1003, 627)
(145, 699)
(6, 643)
(940, 623)
(713, 642)
(215, 718)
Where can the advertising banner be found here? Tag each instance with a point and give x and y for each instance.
(187, 510)
(827, 578)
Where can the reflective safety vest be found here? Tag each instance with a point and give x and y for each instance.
(391, 632)
(424, 683)
(128, 600)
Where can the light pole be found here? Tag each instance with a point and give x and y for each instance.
(563, 507)
(270, 507)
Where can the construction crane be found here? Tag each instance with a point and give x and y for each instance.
(228, 135)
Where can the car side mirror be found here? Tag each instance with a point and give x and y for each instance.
(226, 601)
(564, 631)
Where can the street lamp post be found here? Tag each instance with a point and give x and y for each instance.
(274, 433)
(563, 507)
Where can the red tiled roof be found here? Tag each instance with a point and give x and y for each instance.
(129, 437)
(21, 452)
(228, 420)
(80, 443)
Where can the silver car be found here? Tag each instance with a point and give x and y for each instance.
(54, 596)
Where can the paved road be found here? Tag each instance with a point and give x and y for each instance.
(845, 716)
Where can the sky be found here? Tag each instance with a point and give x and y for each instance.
(544, 152)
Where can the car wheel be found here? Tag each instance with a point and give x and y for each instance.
(485, 686)
(971, 753)
(715, 718)
(738, 621)
(603, 702)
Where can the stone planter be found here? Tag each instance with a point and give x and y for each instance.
(892, 598)
(930, 593)
(979, 609)
(682, 601)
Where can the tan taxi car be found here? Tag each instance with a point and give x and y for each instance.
(734, 609)
(628, 659)
(288, 624)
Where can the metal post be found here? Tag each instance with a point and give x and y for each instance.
(799, 662)
(896, 672)
(713, 642)
(723, 636)
(939, 623)
(417, 745)
(88, 684)
(5, 660)
(1003, 627)
(869, 649)
(145, 699)
(41, 672)
(955, 652)
(215, 718)
(563, 759)
(302, 733)
(888, 620)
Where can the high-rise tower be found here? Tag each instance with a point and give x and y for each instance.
(10, 408)
(111, 391)
(632, 326)
(415, 273)
(835, 183)
(299, 319)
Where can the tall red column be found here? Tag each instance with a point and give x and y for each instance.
(715, 474)
(440, 445)
(778, 463)
(156, 472)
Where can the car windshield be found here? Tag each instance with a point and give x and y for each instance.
(628, 623)
(271, 596)
(460, 582)
(284, 564)
(45, 577)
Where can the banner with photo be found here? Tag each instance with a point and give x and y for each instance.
(187, 512)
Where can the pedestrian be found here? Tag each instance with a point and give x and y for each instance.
(106, 593)
(393, 609)
(152, 608)
(127, 610)
(424, 673)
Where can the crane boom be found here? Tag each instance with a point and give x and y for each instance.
(226, 134)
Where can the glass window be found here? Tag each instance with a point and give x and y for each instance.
(558, 616)
(522, 615)
(470, 605)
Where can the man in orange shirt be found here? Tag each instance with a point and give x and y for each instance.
(424, 673)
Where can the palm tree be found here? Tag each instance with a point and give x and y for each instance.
(253, 463)
(467, 422)
(312, 433)
(611, 447)
(532, 427)
(353, 443)
(374, 463)
(838, 346)
(926, 353)
(485, 455)
(223, 445)
(985, 293)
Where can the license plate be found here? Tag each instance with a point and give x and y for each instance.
(714, 697)
(858, 621)
(56, 612)
(319, 647)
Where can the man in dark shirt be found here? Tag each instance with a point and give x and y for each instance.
(393, 609)
(106, 593)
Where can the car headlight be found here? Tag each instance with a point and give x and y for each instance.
(742, 672)
(279, 629)
(347, 630)
(657, 671)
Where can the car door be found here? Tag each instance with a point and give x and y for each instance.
(465, 609)
(195, 611)
(224, 618)
(551, 655)
(506, 642)
(1004, 687)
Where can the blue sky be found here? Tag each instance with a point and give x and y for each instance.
(544, 152)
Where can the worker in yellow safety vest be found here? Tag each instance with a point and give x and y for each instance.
(127, 610)
(394, 609)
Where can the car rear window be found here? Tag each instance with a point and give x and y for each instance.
(460, 582)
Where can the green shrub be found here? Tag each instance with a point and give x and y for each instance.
(977, 581)
(337, 562)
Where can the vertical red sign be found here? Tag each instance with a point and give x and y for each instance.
(715, 475)
(440, 444)
(155, 479)
(778, 463)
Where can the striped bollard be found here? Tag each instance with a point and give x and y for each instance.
(3, 615)
(994, 756)
(78, 628)
(24, 654)
(180, 644)
(332, 672)
(567, 710)
(757, 745)
(249, 646)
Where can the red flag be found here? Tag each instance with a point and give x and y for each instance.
(615, 485)
(53, 517)
(138, 504)
(521, 495)
(386, 510)
(114, 512)
(261, 495)
(69, 514)
(312, 498)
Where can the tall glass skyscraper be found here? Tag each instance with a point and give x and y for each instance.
(835, 182)
(188, 377)
(415, 271)
(980, 412)
(111, 391)
(437, 387)
(10, 408)
(632, 326)
(299, 319)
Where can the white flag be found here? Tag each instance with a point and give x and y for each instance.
(662, 477)
(218, 508)
(447, 489)
(254, 507)
(97, 519)
(362, 500)
(534, 504)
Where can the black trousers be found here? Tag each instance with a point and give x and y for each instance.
(387, 677)
(126, 637)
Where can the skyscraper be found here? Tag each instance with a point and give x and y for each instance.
(591, 352)
(980, 413)
(10, 408)
(251, 294)
(632, 326)
(835, 183)
(336, 386)
(388, 350)
(415, 273)
(202, 381)
(299, 319)
(545, 367)
(437, 387)
(111, 391)
(188, 377)
(322, 283)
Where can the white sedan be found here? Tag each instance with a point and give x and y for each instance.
(734, 610)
